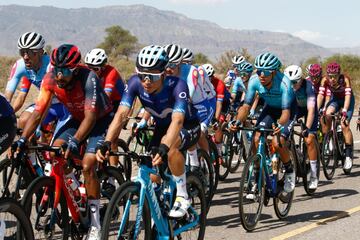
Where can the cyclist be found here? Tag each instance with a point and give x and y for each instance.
(8, 124)
(79, 89)
(274, 87)
(222, 104)
(306, 106)
(342, 98)
(232, 73)
(113, 85)
(166, 98)
(197, 95)
(31, 69)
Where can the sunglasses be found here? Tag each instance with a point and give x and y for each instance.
(96, 69)
(333, 75)
(29, 52)
(264, 73)
(243, 74)
(172, 65)
(152, 77)
(64, 71)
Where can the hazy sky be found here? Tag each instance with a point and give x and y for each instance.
(328, 23)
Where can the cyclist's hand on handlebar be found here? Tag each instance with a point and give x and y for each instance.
(72, 148)
(18, 147)
(278, 128)
(102, 151)
(160, 154)
(344, 117)
(234, 125)
(305, 132)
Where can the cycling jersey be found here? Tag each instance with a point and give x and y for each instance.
(209, 88)
(190, 75)
(238, 86)
(85, 94)
(280, 95)
(340, 90)
(219, 88)
(315, 86)
(19, 70)
(305, 95)
(173, 97)
(230, 77)
(5, 107)
(112, 82)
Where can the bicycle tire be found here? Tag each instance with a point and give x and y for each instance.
(250, 220)
(120, 196)
(306, 166)
(127, 164)
(23, 227)
(36, 187)
(240, 153)
(208, 171)
(329, 171)
(227, 156)
(214, 160)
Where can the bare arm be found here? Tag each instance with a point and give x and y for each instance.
(117, 124)
(86, 125)
(285, 116)
(19, 101)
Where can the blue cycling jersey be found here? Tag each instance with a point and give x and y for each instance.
(173, 97)
(280, 95)
(305, 95)
(5, 107)
(19, 70)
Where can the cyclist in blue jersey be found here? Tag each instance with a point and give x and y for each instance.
(31, 69)
(306, 107)
(190, 75)
(8, 124)
(166, 98)
(275, 88)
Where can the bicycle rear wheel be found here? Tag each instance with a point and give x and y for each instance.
(252, 193)
(238, 149)
(207, 170)
(38, 203)
(307, 168)
(214, 161)
(122, 209)
(14, 224)
(227, 156)
(328, 155)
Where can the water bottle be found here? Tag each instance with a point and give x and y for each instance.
(269, 167)
(274, 165)
(249, 136)
(338, 128)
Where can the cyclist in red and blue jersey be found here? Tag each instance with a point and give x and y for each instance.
(30, 69)
(210, 91)
(79, 89)
(167, 99)
(198, 96)
(8, 124)
(342, 99)
(306, 107)
(279, 110)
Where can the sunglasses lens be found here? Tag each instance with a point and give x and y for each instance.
(64, 71)
(264, 73)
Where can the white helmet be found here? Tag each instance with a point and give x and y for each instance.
(174, 52)
(238, 59)
(307, 69)
(294, 73)
(96, 57)
(152, 57)
(209, 69)
(188, 55)
(31, 40)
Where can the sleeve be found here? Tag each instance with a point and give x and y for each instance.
(15, 75)
(235, 87)
(45, 95)
(348, 89)
(181, 96)
(130, 92)
(110, 80)
(25, 84)
(311, 96)
(322, 89)
(220, 91)
(250, 95)
(93, 97)
(287, 94)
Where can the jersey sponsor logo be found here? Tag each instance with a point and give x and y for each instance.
(171, 82)
(183, 95)
(161, 115)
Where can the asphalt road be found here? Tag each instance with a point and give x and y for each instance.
(333, 212)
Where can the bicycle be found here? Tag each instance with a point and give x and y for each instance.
(333, 148)
(262, 179)
(49, 198)
(13, 221)
(153, 207)
(298, 150)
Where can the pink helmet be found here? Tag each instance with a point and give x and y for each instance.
(315, 70)
(333, 68)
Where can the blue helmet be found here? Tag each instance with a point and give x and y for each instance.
(245, 67)
(267, 61)
(151, 58)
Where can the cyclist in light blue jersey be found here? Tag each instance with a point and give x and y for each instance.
(275, 88)
(306, 107)
(198, 96)
(31, 69)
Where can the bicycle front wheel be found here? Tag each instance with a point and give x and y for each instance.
(252, 193)
(329, 155)
(120, 221)
(13, 221)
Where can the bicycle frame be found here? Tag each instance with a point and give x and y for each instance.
(159, 216)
